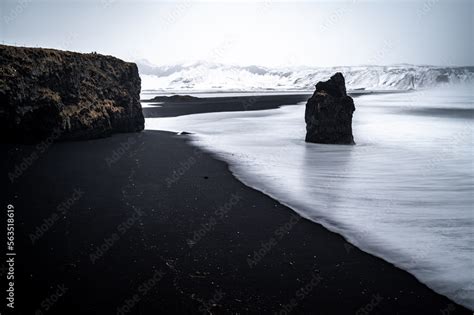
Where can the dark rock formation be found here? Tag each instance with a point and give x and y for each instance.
(328, 113)
(45, 92)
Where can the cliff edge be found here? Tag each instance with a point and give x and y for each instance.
(66, 95)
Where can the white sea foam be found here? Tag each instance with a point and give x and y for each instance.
(403, 193)
(205, 76)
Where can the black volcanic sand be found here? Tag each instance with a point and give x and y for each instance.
(176, 107)
(153, 262)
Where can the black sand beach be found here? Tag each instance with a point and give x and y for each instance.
(148, 224)
(218, 104)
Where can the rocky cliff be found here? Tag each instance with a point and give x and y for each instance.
(328, 113)
(66, 95)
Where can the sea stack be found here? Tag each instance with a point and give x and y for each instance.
(328, 113)
(59, 95)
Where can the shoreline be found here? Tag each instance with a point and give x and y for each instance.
(188, 233)
(185, 105)
(245, 176)
(235, 93)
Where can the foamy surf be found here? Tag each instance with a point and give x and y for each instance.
(403, 193)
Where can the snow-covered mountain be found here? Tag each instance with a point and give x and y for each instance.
(205, 76)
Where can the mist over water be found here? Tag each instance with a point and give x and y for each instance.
(403, 193)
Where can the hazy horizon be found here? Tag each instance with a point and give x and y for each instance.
(191, 62)
(262, 33)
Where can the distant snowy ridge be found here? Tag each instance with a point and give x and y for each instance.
(204, 76)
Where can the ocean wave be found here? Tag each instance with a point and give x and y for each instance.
(205, 76)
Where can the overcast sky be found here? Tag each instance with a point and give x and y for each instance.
(269, 33)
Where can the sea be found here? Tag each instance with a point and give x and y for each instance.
(404, 192)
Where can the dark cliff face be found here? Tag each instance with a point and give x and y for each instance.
(328, 113)
(52, 93)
